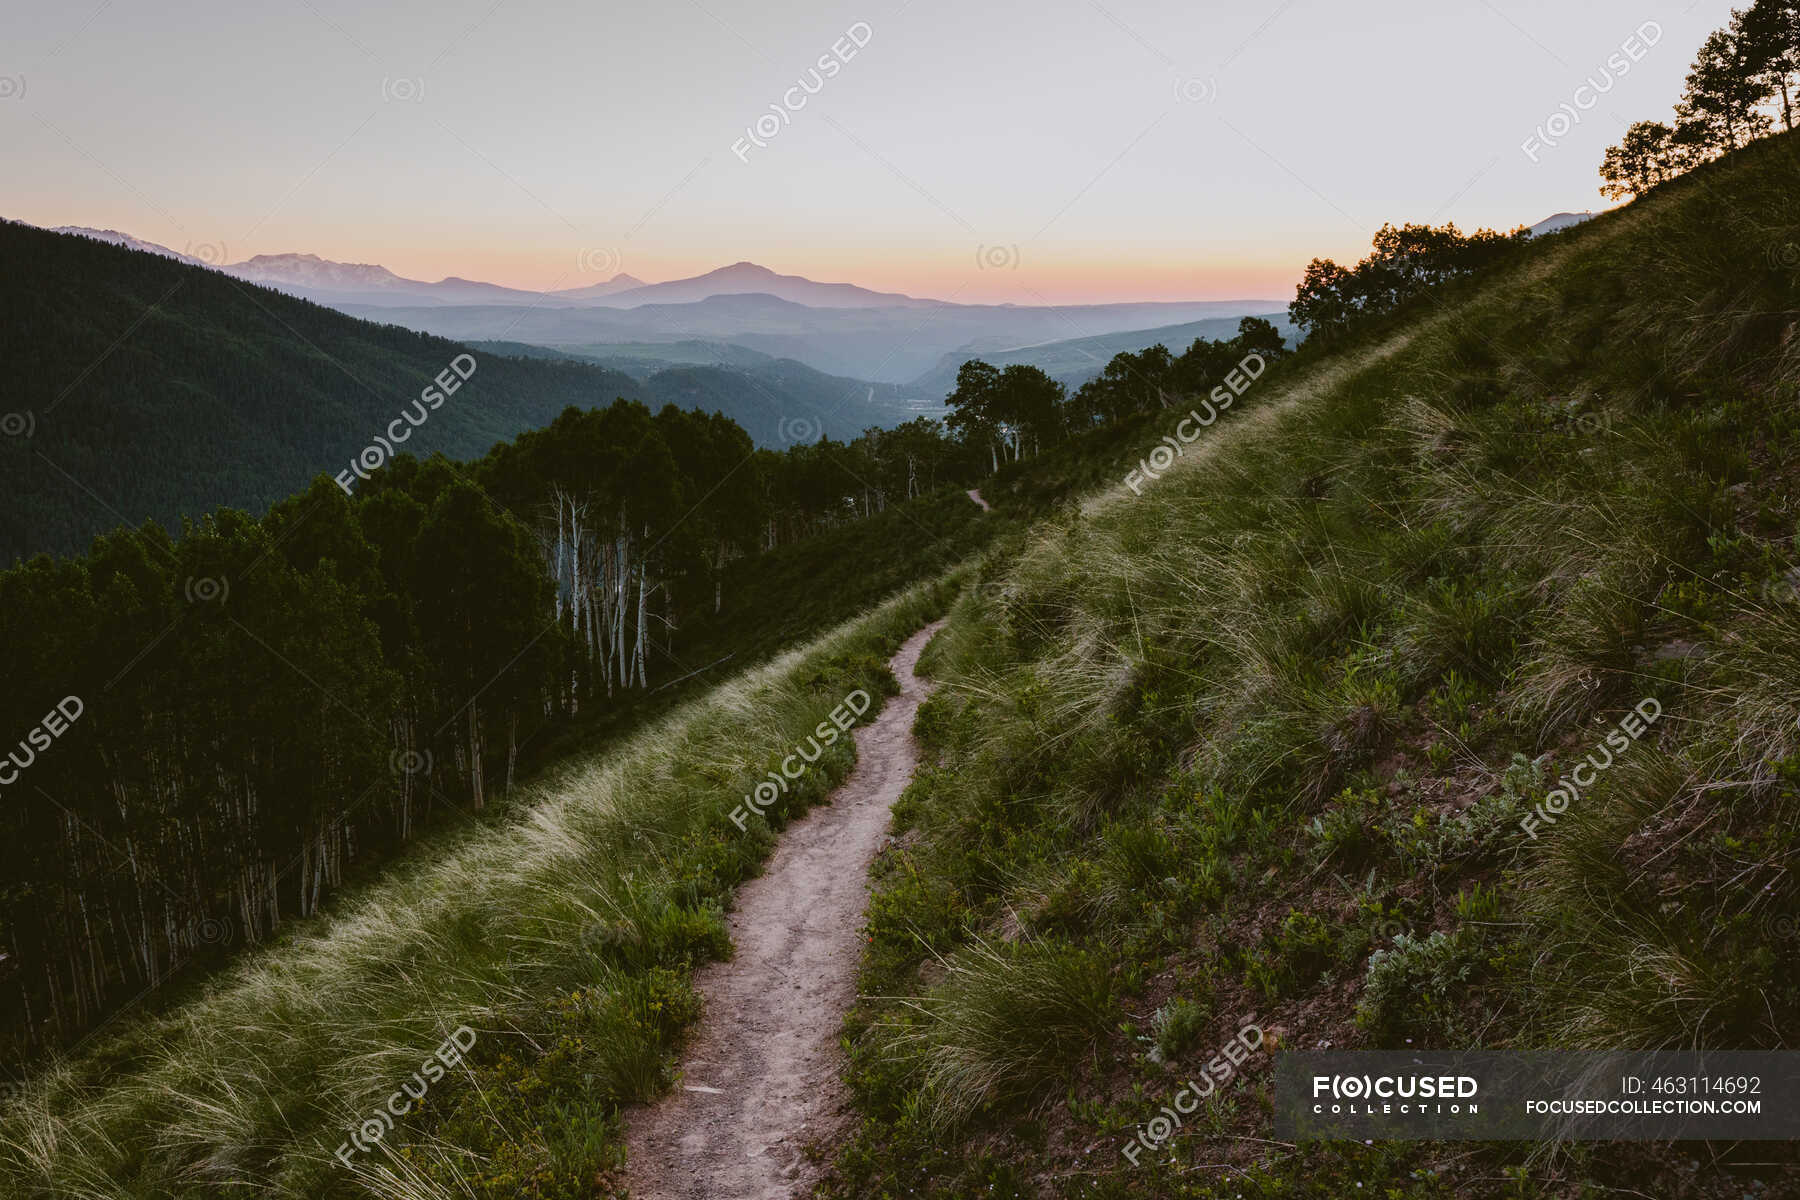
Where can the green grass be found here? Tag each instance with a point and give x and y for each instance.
(1257, 744)
(565, 939)
(1253, 746)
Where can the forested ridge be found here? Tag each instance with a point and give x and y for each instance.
(262, 703)
(259, 703)
(144, 388)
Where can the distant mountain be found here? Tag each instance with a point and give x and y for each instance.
(641, 360)
(884, 345)
(618, 283)
(309, 270)
(1074, 361)
(343, 284)
(113, 237)
(339, 284)
(745, 278)
(1559, 222)
(150, 388)
(785, 402)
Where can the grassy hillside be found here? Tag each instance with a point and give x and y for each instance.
(564, 941)
(1261, 744)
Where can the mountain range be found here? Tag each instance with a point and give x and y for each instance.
(334, 283)
(839, 329)
(885, 345)
(337, 283)
(128, 354)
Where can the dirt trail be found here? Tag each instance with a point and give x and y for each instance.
(761, 1078)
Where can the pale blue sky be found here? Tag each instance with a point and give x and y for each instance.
(1128, 149)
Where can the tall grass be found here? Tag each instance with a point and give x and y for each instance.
(563, 938)
(1258, 735)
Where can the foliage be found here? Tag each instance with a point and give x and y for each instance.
(1265, 735)
(1737, 72)
(1408, 262)
(564, 936)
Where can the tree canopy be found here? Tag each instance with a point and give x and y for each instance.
(1741, 77)
(1406, 262)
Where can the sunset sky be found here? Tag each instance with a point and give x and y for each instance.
(1050, 151)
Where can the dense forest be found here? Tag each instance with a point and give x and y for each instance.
(142, 387)
(259, 702)
(214, 727)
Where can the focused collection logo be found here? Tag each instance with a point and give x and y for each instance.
(1405, 1095)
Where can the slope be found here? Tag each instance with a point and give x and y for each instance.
(1278, 742)
(763, 1078)
(145, 388)
(543, 967)
(1074, 361)
(884, 345)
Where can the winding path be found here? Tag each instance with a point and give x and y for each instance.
(761, 1077)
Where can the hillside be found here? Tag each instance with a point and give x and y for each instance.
(745, 277)
(643, 359)
(777, 401)
(149, 389)
(881, 344)
(1074, 361)
(1287, 740)
(1272, 739)
(570, 928)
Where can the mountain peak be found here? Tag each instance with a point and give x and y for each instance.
(1560, 221)
(747, 278)
(309, 270)
(113, 237)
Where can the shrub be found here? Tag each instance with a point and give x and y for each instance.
(1413, 988)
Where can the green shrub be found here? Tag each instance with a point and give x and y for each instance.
(1175, 1028)
(1412, 990)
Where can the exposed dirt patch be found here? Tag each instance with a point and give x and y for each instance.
(761, 1079)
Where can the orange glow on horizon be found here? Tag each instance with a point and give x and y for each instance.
(1113, 280)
